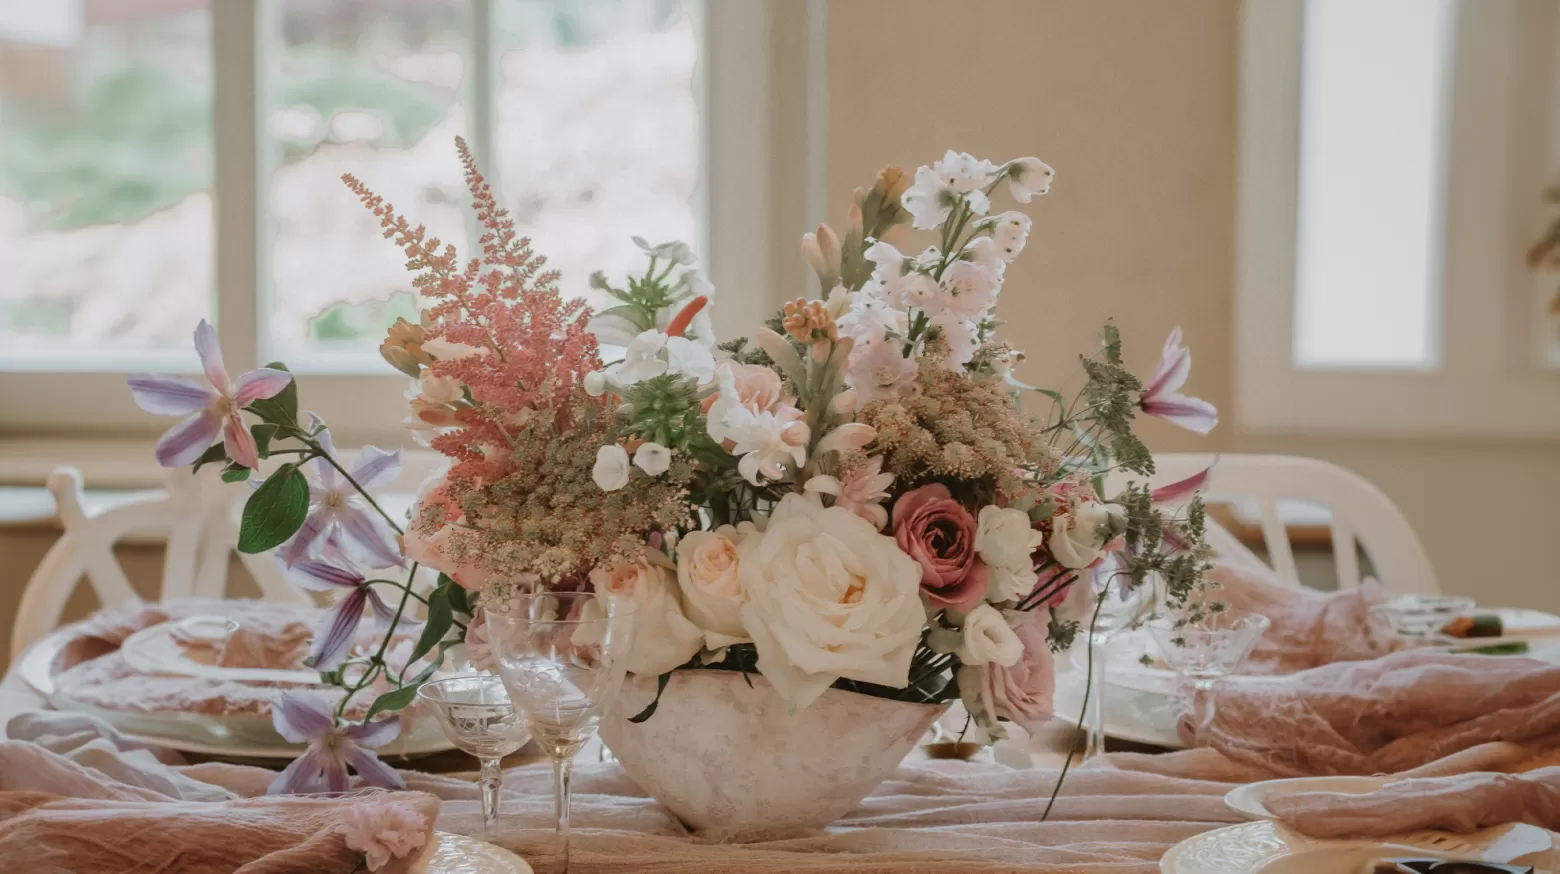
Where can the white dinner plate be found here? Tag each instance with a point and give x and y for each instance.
(459, 854)
(1269, 848)
(1251, 799)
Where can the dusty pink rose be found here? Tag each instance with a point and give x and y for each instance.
(932, 528)
(1023, 692)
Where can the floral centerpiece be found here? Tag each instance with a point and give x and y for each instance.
(859, 495)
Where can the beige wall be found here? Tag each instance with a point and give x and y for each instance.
(1134, 104)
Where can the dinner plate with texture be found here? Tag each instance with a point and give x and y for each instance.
(1251, 799)
(459, 854)
(1266, 847)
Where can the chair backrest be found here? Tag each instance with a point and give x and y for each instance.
(194, 514)
(1360, 513)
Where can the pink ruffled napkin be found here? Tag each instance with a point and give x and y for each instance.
(1309, 628)
(1386, 715)
(75, 818)
(1461, 803)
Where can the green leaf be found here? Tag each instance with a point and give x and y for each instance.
(396, 699)
(281, 409)
(1053, 395)
(458, 597)
(263, 432)
(275, 511)
(217, 453)
(235, 473)
(630, 312)
(437, 624)
(660, 686)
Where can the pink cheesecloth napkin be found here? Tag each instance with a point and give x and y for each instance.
(1459, 803)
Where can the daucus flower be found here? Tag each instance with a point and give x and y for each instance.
(305, 717)
(209, 411)
(333, 638)
(1161, 391)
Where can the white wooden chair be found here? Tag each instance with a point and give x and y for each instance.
(1360, 514)
(198, 516)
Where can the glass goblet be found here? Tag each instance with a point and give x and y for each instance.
(1207, 649)
(479, 719)
(562, 656)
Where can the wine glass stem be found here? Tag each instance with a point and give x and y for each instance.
(1094, 744)
(492, 779)
(563, 772)
(1204, 687)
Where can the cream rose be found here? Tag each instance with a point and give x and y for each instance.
(1078, 536)
(988, 639)
(707, 573)
(663, 636)
(828, 597)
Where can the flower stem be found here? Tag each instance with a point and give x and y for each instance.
(1072, 750)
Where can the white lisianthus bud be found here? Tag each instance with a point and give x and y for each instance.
(611, 470)
(653, 458)
(595, 383)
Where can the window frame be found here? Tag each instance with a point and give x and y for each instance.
(1489, 380)
(744, 80)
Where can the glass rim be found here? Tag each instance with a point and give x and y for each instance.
(621, 606)
(486, 679)
(1240, 620)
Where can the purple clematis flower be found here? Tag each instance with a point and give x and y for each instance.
(338, 514)
(209, 411)
(1161, 391)
(333, 639)
(305, 717)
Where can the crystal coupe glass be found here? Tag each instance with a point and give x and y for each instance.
(1208, 649)
(562, 656)
(479, 719)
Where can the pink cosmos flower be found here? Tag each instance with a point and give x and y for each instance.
(863, 493)
(932, 528)
(338, 515)
(305, 717)
(338, 629)
(1161, 391)
(209, 411)
(383, 830)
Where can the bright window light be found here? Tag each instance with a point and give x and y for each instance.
(1372, 147)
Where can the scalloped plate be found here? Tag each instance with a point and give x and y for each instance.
(1269, 848)
(460, 854)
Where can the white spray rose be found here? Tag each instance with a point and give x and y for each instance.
(989, 639)
(708, 573)
(611, 470)
(1004, 538)
(1078, 536)
(828, 597)
(663, 636)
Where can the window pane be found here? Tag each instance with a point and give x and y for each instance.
(598, 132)
(1373, 135)
(105, 181)
(372, 89)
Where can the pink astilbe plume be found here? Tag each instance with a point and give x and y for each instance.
(504, 302)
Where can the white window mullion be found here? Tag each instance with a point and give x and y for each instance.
(240, 31)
